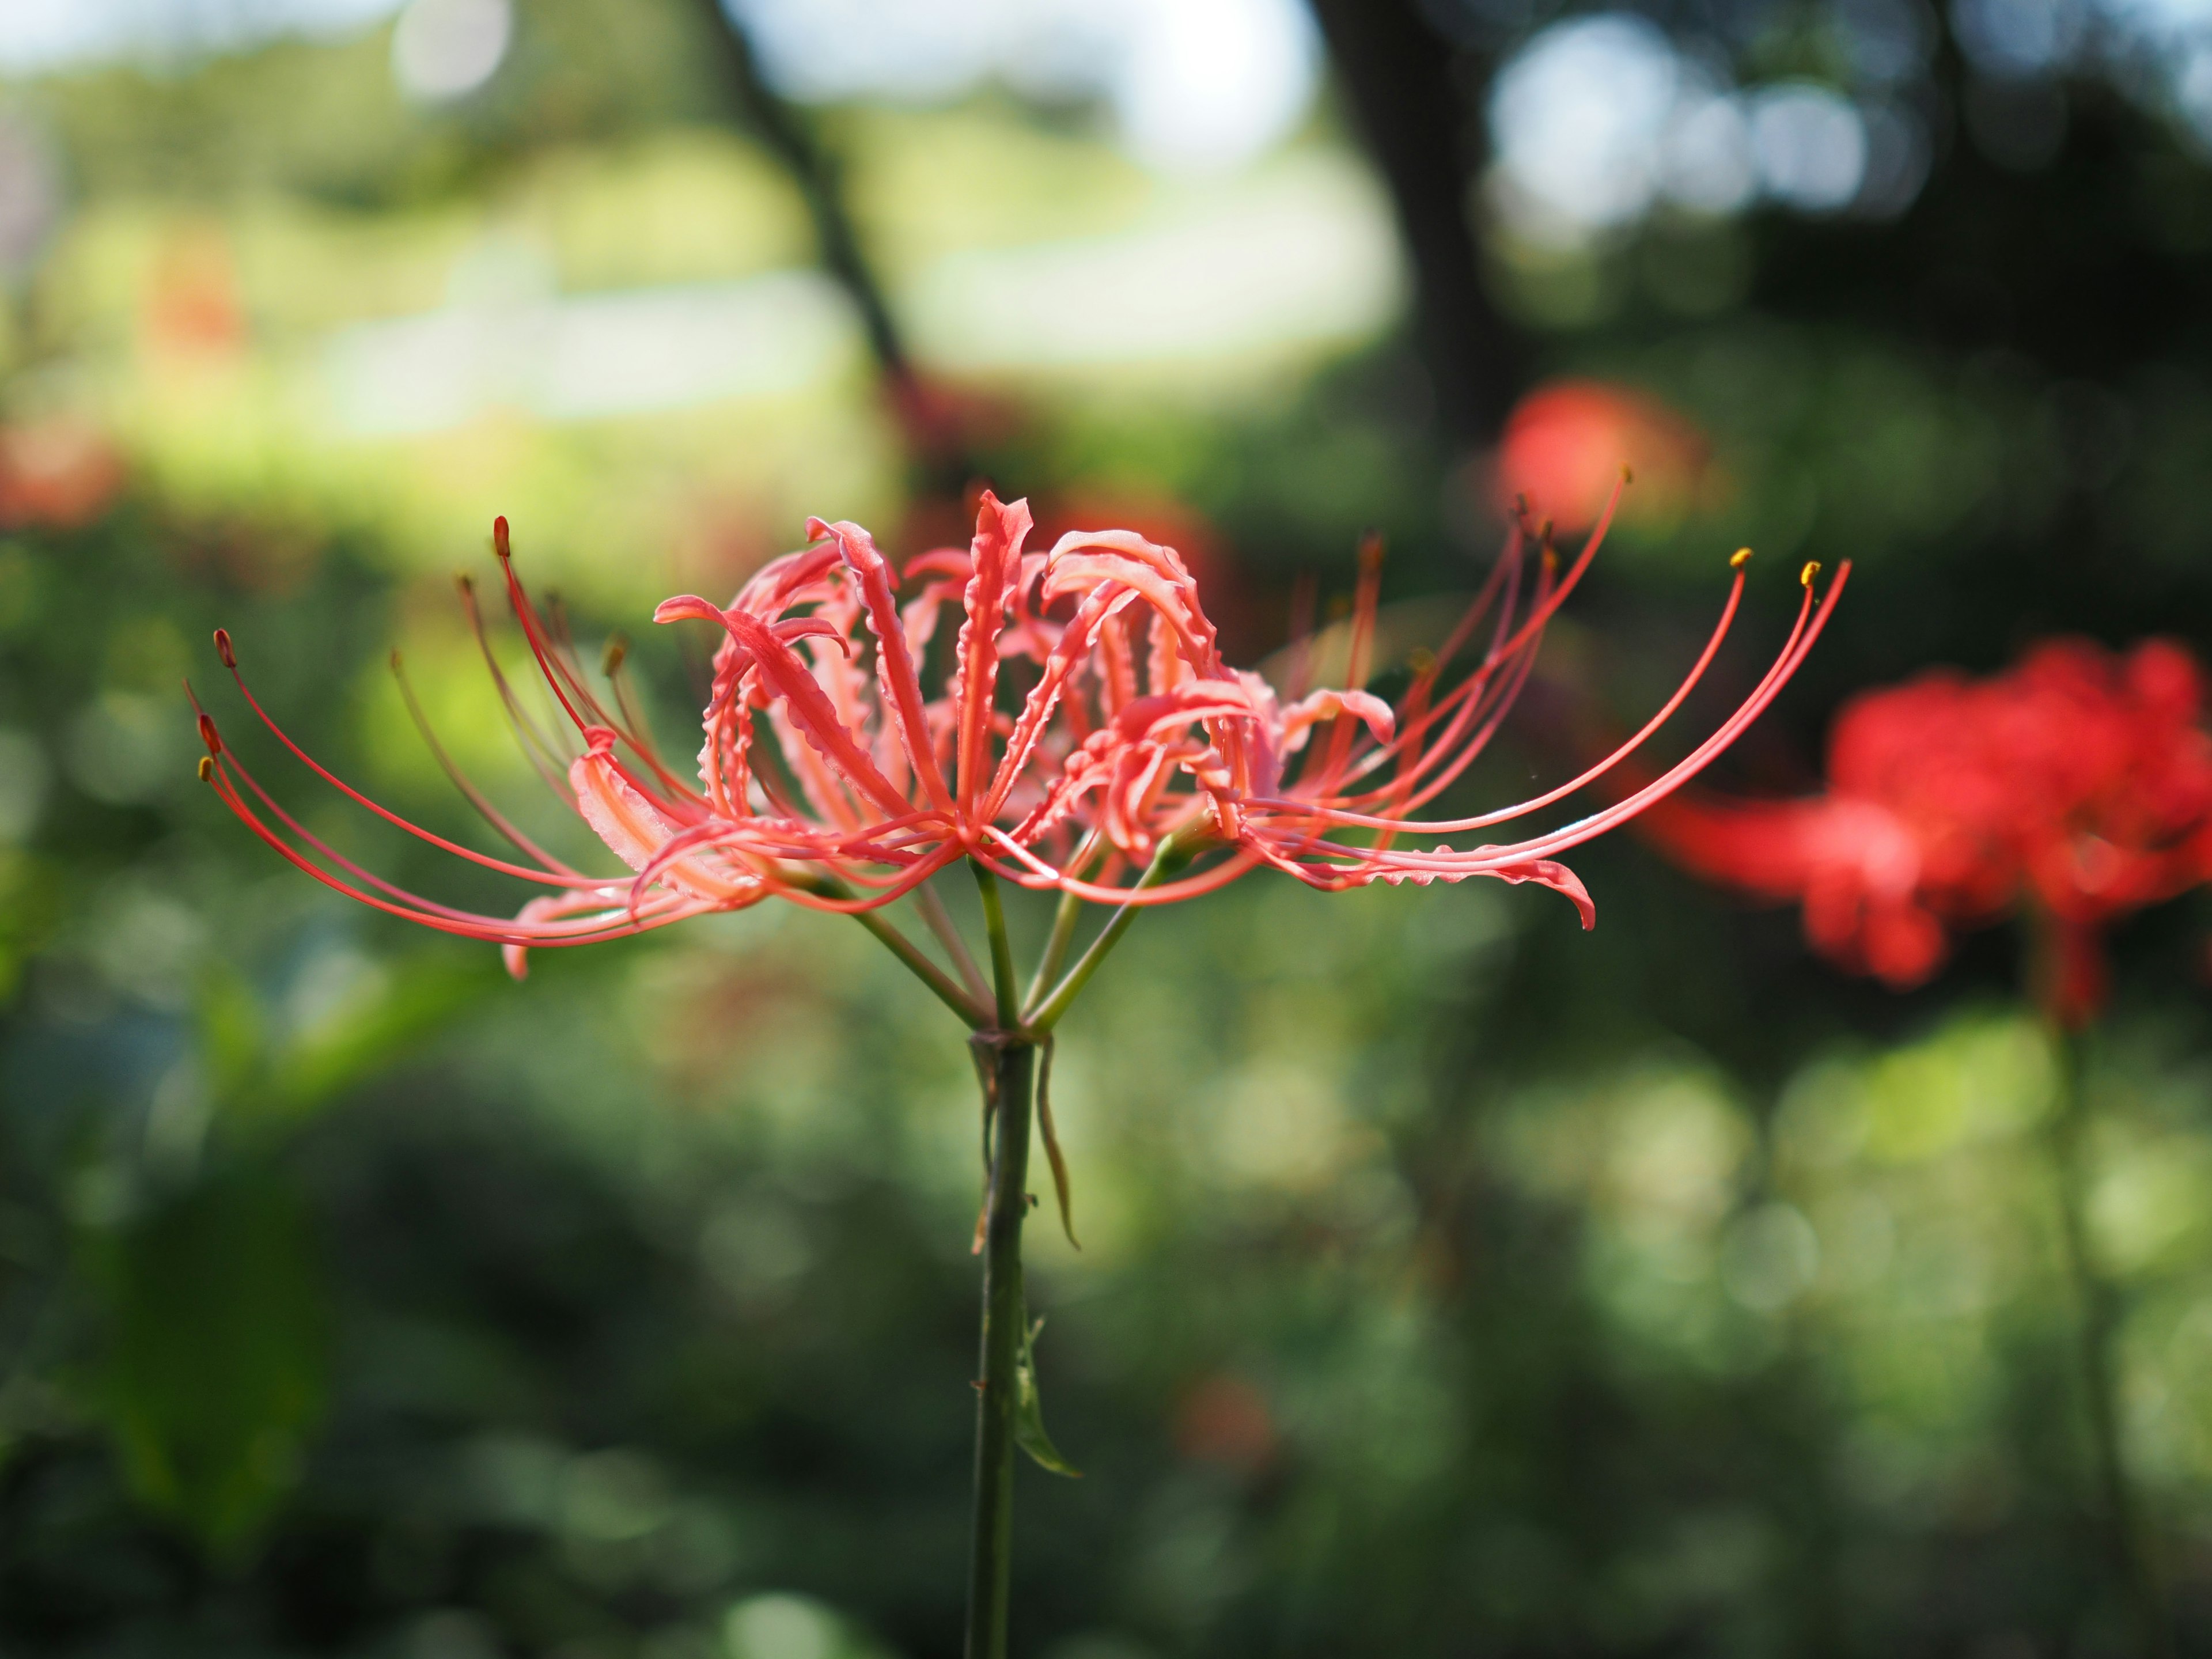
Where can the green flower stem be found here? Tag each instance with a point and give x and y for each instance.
(948, 934)
(1172, 857)
(970, 1009)
(1012, 1073)
(1002, 949)
(1055, 947)
(2099, 1308)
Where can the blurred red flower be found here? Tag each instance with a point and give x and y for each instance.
(60, 474)
(1225, 1419)
(2075, 788)
(1564, 445)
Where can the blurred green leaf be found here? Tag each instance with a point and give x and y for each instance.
(424, 993)
(1029, 1410)
(29, 907)
(271, 1081)
(230, 1029)
(216, 1362)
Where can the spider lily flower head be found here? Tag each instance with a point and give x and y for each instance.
(2075, 788)
(1077, 731)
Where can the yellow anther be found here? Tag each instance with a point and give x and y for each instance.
(207, 768)
(1421, 660)
(1812, 569)
(618, 648)
(1740, 558)
(1627, 473)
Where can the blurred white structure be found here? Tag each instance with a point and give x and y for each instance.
(1597, 120)
(30, 191)
(1576, 118)
(590, 357)
(443, 49)
(1811, 143)
(37, 35)
(1193, 84)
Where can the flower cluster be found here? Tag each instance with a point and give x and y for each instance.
(1086, 737)
(2075, 788)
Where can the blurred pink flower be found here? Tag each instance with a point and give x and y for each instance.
(1565, 444)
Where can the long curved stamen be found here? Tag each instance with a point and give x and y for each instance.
(533, 628)
(474, 796)
(225, 759)
(1462, 707)
(1480, 702)
(560, 645)
(1801, 641)
(548, 757)
(1482, 821)
(1366, 599)
(493, 929)
(504, 867)
(636, 732)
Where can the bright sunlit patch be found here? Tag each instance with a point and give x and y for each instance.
(40, 35)
(781, 1627)
(1309, 256)
(2192, 92)
(1706, 161)
(1599, 120)
(591, 356)
(2015, 38)
(1576, 115)
(1811, 146)
(443, 48)
(1208, 86)
(1194, 85)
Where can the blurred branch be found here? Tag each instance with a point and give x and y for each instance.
(785, 132)
(944, 461)
(1398, 75)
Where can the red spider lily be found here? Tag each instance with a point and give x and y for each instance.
(829, 775)
(1564, 443)
(2077, 787)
